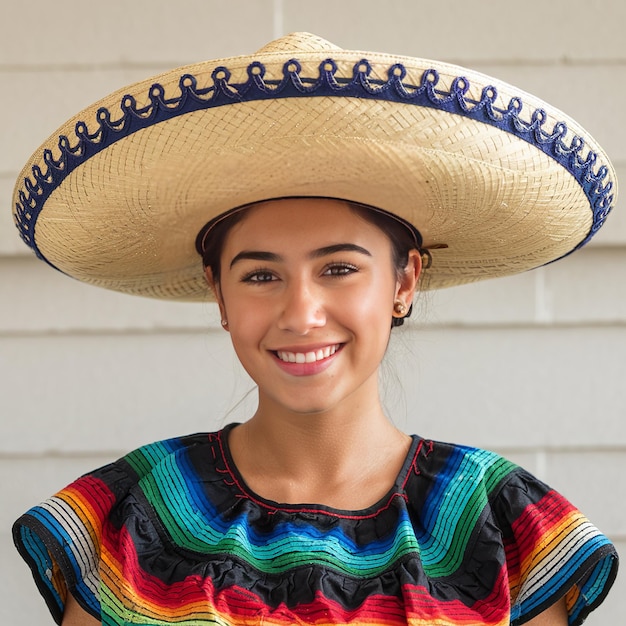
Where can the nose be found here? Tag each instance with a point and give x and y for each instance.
(302, 308)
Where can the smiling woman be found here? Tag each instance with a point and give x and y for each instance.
(290, 285)
(363, 175)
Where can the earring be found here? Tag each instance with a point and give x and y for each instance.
(398, 307)
(224, 323)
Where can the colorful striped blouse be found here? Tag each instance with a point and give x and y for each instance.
(171, 534)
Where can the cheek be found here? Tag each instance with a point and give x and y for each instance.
(246, 337)
(369, 309)
(248, 321)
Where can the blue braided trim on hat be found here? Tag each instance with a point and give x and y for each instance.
(293, 85)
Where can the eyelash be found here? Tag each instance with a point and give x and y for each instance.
(252, 277)
(338, 269)
(342, 266)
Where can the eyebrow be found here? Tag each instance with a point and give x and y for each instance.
(259, 255)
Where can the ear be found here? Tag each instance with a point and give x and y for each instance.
(406, 285)
(217, 292)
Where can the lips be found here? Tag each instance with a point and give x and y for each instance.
(311, 356)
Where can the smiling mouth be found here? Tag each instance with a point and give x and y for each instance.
(307, 357)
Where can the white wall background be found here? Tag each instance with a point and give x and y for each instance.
(532, 366)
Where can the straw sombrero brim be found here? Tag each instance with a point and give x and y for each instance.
(496, 181)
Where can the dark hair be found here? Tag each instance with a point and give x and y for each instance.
(403, 238)
(211, 244)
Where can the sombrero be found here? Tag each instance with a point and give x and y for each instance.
(495, 180)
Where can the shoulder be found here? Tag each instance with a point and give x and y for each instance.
(101, 489)
(455, 492)
(144, 460)
(548, 547)
(88, 500)
(447, 469)
(62, 538)
(449, 475)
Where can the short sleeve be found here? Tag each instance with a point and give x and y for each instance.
(552, 551)
(61, 539)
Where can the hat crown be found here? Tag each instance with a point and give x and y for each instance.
(298, 42)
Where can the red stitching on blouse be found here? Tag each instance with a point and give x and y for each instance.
(292, 509)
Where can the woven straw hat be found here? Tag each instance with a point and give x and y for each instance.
(496, 181)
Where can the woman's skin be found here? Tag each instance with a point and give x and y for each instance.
(311, 277)
(75, 615)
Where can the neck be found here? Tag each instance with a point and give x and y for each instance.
(290, 457)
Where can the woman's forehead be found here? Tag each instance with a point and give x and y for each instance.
(275, 219)
(303, 218)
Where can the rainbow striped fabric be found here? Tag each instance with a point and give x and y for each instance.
(170, 534)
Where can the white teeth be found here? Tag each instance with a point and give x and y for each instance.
(307, 357)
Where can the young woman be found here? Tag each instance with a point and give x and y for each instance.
(316, 510)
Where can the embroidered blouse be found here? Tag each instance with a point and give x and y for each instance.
(171, 534)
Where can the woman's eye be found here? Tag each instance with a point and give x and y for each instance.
(258, 276)
(340, 269)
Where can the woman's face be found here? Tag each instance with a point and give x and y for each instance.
(308, 289)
